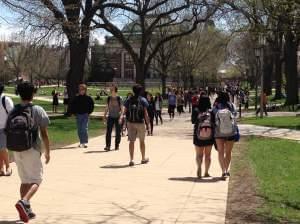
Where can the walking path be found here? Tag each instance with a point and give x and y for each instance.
(92, 186)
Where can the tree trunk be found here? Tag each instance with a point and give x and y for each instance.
(78, 54)
(140, 74)
(278, 77)
(268, 71)
(291, 72)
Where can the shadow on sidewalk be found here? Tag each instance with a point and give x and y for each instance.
(195, 179)
(113, 166)
(11, 222)
(95, 152)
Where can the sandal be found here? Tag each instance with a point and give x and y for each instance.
(8, 172)
(145, 161)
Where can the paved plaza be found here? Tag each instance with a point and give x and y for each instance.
(92, 186)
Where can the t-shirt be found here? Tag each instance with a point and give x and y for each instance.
(114, 106)
(41, 120)
(3, 114)
(172, 99)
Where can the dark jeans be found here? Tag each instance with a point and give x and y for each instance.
(264, 109)
(111, 122)
(158, 115)
(82, 127)
(151, 119)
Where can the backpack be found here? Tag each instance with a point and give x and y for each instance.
(118, 98)
(135, 112)
(4, 104)
(225, 123)
(205, 126)
(20, 130)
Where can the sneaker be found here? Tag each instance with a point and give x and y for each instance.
(117, 148)
(107, 149)
(79, 146)
(145, 161)
(131, 163)
(85, 146)
(8, 172)
(23, 211)
(31, 215)
(228, 174)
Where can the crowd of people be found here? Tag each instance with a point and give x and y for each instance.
(213, 114)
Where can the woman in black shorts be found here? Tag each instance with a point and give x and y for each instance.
(203, 134)
(225, 130)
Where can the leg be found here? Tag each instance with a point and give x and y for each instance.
(85, 126)
(118, 132)
(27, 191)
(78, 119)
(265, 109)
(143, 149)
(220, 146)
(199, 158)
(156, 117)
(151, 125)
(108, 132)
(160, 117)
(131, 150)
(207, 154)
(228, 151)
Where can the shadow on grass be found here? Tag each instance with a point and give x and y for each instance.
(197, 180)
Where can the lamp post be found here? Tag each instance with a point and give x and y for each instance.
(5, 66)
(262, 43)
(257, 56)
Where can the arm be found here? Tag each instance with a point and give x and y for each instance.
(45, 137)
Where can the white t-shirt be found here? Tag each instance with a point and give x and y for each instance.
(3, 114)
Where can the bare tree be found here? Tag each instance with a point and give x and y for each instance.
(147, 17)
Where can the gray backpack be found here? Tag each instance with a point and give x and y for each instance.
(225, 124)
(20, 130)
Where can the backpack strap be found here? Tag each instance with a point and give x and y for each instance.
(4, 104)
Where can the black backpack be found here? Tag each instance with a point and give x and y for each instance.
(4, 104)
(135, 111)
(20, 130)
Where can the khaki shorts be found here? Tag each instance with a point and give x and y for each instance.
(30, 167)
(136, 130)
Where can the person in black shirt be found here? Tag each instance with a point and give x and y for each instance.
(151, 112)
(82, 106)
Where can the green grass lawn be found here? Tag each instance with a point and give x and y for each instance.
(277, 122)
(276, 164)
(63, 130)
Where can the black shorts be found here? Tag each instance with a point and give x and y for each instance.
(231, 138)
(202, 143)
(66, 101)
(171, 109)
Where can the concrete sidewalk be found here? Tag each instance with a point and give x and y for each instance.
(93, 186)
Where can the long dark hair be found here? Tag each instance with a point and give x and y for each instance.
(223, 98)
(204, 103)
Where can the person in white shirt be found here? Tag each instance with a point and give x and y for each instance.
(6, 105)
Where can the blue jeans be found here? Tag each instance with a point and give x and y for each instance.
(82, 127)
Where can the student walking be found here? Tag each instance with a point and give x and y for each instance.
(180, 102)
(66, 100)
(158, 101)
(225, 130)
(171, 104)
(203, 134)
(135, 109)
(25, 143)
(5, 107)
(151, 112)
(82, 106)
(112, 114)
(55, 101)
(265, 102)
